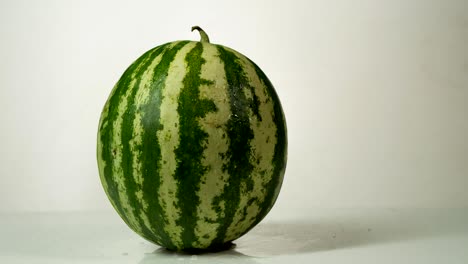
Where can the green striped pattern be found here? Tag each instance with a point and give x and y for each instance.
(192, 145)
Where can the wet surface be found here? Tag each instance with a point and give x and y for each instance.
(325, 235)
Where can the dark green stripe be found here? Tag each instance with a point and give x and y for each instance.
(127, 129)
(280, 152)
(240, 134)
(150, 145)
(106, 136)
(189, 153)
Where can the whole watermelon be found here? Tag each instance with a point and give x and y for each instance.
(192, 145)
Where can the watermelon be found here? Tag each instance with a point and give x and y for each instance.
(192, 145)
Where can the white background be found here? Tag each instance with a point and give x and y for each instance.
(375, 93)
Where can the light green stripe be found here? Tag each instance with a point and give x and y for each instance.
(262, 151)
(168, 137)
(103, 127)
(117, 149)
(101, 162)
(141, 98)
(217, 143)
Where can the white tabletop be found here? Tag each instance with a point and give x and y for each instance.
(294, 236)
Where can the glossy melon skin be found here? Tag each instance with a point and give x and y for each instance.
(192, 145)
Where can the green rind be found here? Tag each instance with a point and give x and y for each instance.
(105, 136)
(240, 133)
(190, 150)
(128, 154)
(280, 152)
(151, 146)
(192, 141)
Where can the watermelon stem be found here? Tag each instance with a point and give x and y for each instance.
(203, 35)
